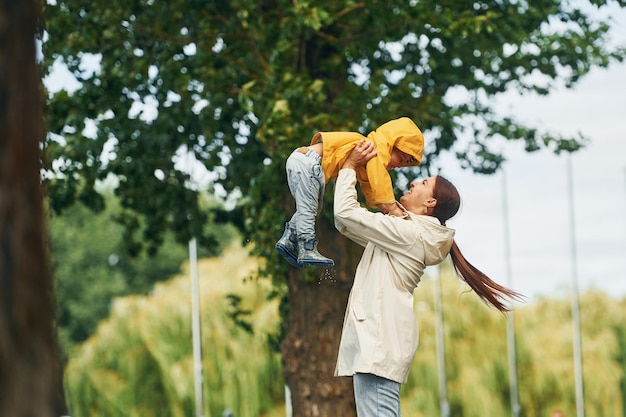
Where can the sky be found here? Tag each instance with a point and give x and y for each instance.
(554, 247)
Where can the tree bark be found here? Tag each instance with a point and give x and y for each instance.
(30, 368)
(314, 325)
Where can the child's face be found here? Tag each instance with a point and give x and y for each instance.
(398, 159)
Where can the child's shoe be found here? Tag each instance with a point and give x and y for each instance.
(286, 246)
(308, 255)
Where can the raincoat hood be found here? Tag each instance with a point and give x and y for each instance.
(403, 134)
(437, 239)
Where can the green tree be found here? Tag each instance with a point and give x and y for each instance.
(476, 355)
(140, 362)
(239, 84)
(92, 265)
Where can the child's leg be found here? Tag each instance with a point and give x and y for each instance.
(303, 177)
(306, 183)
(287, 246)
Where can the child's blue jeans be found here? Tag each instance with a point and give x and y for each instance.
(306, 183)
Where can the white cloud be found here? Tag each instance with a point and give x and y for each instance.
(538, 199)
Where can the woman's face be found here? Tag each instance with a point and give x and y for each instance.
(419, 196)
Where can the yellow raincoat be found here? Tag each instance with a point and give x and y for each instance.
(374, 178)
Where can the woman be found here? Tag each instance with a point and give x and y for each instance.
(379, 336)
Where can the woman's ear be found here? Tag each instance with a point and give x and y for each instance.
(431, 202)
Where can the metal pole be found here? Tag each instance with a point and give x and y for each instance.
(195, 325)
(578, 367)
(510, 329)
(288, 405)
(441, 360)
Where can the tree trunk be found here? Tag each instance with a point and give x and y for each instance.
(30, 369)
(314, 325)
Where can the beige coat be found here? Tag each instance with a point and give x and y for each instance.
(380, 332)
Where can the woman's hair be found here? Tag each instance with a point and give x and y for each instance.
(448, 203)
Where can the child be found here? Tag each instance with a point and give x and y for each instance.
(399, 143)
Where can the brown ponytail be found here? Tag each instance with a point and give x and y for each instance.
(448, 203)
(488, 290)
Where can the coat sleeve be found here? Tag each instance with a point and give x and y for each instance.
(390, 233)
(340, 225)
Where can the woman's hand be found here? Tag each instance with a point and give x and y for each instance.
(362, 152)
(391, 208)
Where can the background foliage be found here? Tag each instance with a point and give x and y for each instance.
(92, 265)
(139, 361)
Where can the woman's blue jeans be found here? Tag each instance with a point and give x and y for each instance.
(376, 396)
